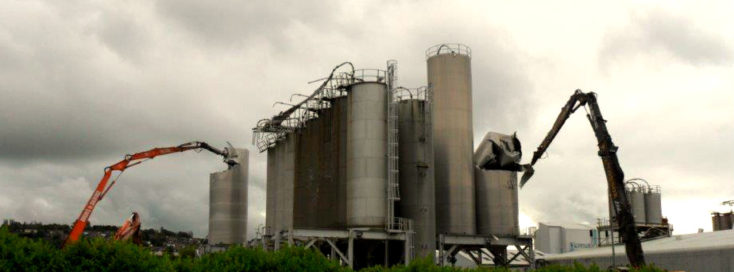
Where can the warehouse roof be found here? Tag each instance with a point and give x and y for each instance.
(688, 242)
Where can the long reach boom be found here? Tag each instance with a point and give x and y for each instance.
(608, 154)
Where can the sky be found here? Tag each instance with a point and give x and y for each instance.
(84, 82)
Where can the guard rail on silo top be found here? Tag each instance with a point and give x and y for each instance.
(448, 48)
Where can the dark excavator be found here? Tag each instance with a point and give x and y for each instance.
(614, 174)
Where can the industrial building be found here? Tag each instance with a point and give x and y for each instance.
(228, 202)
(370, 172)
(646, 207)
(562, 238)
(708, 251)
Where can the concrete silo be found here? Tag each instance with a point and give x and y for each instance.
(417, 183)
(271, 183)
(449, 75)
(228, 203)
(366, 194)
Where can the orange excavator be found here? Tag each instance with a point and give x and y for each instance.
(130, 229)
(129, 161)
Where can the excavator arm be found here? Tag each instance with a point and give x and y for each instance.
(612, 169)
(127, 162)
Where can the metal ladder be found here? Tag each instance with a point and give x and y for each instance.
(393, 174)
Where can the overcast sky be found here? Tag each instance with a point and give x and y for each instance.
(84, 82)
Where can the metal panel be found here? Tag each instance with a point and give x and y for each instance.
(653, 208)
(637, 202)
(449, 74)
(417, 183)
(228, 203)
(497, 202)
(366, 155)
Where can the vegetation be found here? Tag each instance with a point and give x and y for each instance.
(24, 254)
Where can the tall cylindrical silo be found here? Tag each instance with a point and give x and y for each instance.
(497, 202)
(417, 183)
(286, 178)
(716, 221)
(637, 203)
(449, 74)
(271, 190)
(228, 203)
(653, 207)
(308, 174)
(727, 220)
(367, 155)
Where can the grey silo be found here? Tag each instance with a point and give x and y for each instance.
(286, 176)
(366, 194)
(637, 203)
(653, 206)
(228, 203)
(417, 183)
(497, 203)
(271, 190)
(449, 75)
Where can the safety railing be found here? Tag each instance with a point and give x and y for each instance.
(448, 48)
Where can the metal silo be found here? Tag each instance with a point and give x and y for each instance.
(228, 203)
(286, 177)
(367, 155)
(308, 174)
(497, 202)
(449, 75)
(417, 186)
(653, 206)
(637, 203)
(716, 221)
(271, 191)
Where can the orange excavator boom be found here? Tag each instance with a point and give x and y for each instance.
(130, 229)
(127, 162)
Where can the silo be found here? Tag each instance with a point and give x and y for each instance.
(497, 202)
(308, 174)
(271, 190)
(449, 75)
(417, 186)
(727, 220)
(716, 221)
(637, 203)
(286, 177)
(367, 155)
(653, 206)
(228, 203)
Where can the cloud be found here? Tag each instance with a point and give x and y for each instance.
(82, 84)
(658, 32)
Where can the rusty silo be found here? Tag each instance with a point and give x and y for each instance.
(449, 75)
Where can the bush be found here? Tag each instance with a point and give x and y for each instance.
(23, 254)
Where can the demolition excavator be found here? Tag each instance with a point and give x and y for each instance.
(612, 169)
(130, 230)
(132, 160)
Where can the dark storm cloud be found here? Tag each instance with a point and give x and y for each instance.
(658, 31)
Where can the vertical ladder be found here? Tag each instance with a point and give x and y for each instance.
(393, 185)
